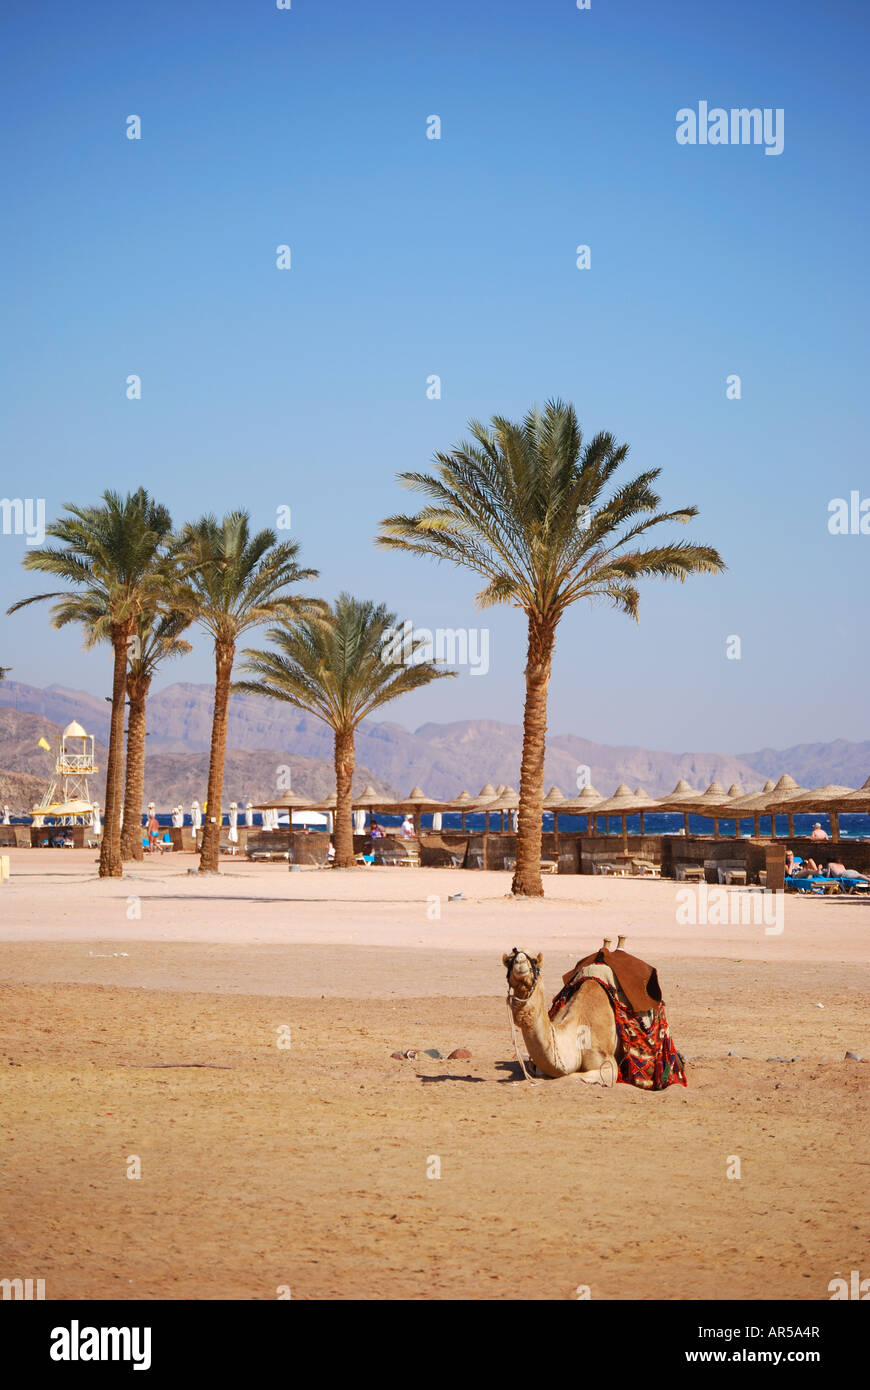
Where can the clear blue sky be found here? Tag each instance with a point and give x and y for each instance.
(411, 256)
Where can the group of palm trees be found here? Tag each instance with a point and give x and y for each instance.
(525, 505)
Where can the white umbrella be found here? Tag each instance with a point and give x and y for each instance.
(195, 818)
(436, 820)
(359, 822)
(95, 818)
(6, 820)
(233, 835)
(249, 813)
(177, 817)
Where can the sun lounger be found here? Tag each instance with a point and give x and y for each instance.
(818, 884)
(646, 868)
(691, 873)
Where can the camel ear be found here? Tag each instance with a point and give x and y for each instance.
(540, 961)
(505, 959)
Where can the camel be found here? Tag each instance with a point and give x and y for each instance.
(582, 1039)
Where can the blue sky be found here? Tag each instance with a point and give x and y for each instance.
(410, 257)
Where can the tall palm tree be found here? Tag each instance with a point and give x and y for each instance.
(159, 639)
(230, 581)
(338, 667)
(528, 507)
(114, 555)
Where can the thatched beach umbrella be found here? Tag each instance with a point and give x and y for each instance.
(832, 798)
(483, 802)
(680, 799)
(780, 800)
(859, 800)
(462, 803)
(552, 801)
(505, 799)
(751, 804)
(711, 802)
(584, 805)
(371, 800)
(416, 802)
(625, 802)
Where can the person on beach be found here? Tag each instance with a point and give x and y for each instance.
(408, 831)
(376, 832)
(800, 868)
(818, 833)
(153, 830)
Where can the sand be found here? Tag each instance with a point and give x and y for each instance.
(311, 1169)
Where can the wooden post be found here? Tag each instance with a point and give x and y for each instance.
(791, 825)
(686, 823)
(715, 827)
(835, 824)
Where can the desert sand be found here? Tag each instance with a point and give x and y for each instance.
(148, 1018)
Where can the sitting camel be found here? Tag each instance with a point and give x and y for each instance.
(582, 1038)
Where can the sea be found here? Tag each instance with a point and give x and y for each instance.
(852, 826)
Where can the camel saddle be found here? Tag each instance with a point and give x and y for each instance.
(638, 981)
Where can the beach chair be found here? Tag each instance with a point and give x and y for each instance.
(646, 868)
(818, 885)
(853, 883)
(691, 873)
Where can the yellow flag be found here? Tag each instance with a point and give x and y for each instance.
(42, 744)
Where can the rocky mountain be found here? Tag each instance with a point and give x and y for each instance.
(442, 758)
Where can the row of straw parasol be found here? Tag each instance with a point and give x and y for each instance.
(784, 797)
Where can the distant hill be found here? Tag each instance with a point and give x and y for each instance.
(442, 758)
(25, 769)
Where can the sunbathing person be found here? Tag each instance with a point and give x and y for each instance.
(800, 868)
(835, 870)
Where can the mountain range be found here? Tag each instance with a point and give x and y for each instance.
(264, 735)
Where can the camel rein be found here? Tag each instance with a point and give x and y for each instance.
(510, 995)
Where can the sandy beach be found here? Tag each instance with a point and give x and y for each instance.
(144, 1019)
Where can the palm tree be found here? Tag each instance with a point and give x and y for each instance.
(114, 555)
(528, 507)
(158, 639)
(338, 667)
(230, 581)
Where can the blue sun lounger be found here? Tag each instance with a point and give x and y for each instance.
(820, 882)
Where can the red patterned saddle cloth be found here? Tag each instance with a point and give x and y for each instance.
(650, 1058)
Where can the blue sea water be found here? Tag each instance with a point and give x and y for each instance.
(852, 826)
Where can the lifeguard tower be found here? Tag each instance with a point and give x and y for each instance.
(68, 800)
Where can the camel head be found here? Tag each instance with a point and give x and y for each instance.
(523, 972)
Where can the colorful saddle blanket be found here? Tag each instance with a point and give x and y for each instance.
(650, 1059)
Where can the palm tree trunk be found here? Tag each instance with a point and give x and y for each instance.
(224, 653)
(110, 848)
(344, 764)
(134, 785)
(527, 876)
